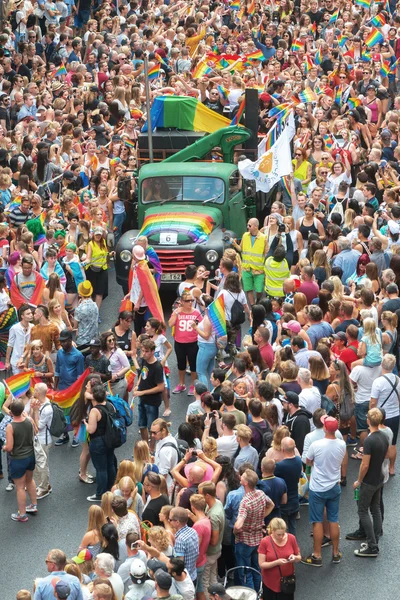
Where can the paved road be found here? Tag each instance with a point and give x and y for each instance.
(62, 520)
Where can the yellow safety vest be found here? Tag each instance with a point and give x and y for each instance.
(275, 275)
(253, 255)
(99, 258)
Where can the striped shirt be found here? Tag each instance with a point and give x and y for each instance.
(17, 217)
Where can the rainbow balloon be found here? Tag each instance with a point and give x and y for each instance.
(216, 314)
(197, 226)
(19, 384)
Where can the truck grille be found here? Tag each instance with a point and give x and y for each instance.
(175, 261)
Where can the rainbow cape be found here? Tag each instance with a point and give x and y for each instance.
(153, 259)
(375, 37)
(66, 398)
(154, 72)
(216, 314)
(149, 289)
(197, 225)
(19, 384)
(18, 299)
(184, 113)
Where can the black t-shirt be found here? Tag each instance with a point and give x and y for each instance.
(215, 106)
(392, 305)
(344, 325)
(184, 501)
(100, 365)
(151, 374)
(375, 445)
(5, 116)
(316, 17)
(152, 510)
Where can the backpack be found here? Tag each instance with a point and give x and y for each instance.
(115, 433)
(13, 20)
(338, 208)
(123, 409)
(237, 313)
(328, 406)
(58, 420)
(266, 445)
(181, 448)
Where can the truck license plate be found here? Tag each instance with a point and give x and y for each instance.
(171, 277)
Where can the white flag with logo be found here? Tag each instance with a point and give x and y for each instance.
(273, 164)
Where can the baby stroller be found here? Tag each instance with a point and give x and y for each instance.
(241, 592)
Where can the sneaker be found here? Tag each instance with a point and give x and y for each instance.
(191, 391)
(351, 441)
(179, 388)
(43, 494)
(20, 518)
(93, 498)
(336, 558)
(188, 371)
(303, 502)
(356, 535)
(64, 439)
(365, 550)
(10, 487)
(74, 443)
(326, 542)
(312, 561)
(31, 508)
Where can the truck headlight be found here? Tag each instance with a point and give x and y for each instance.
(126, 256)
(212, 256)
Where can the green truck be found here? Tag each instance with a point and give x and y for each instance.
(190, 210)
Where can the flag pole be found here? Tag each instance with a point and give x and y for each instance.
(147, 91)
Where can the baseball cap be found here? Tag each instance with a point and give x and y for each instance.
(330, 423)
(95, 342)
(65, 335)
(393, 227)
(63, 590)
(292, 326)
(339, 336)
(68, 175)
(200, 387)
(163, 579)
(292, 398)
(154, 565)
(386, 133)
(138, 571)
(98, 231)
(217, 588)
(82, 556)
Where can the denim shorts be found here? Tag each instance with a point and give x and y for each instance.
(320, 500)
(147, 414)
(199, 582)
(360, 412)
(19, 466)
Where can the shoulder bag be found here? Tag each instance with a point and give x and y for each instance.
(288, 582)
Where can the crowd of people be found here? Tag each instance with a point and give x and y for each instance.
(307, 376)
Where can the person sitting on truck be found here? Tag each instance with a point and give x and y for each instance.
(253, 249)
(156, 190)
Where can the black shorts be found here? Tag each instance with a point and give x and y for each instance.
(393, 423)
(186, 351)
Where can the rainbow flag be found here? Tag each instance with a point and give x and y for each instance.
(333, 18)
(201, 70)
(375, 37)
(252, 8)
(16, 203)
(216, 314)
(287, 185)
(297, 45)
(154, 72)
(66, 398)
(136, 114)
(115, 161)
(378, 21)
(353, 103)
(342, 39)
(308, 64)
(18, 299)
(240, 15)
(19, 384)
(385, 69)
(257, 55)
(149, 289)
(129, 143)
(234, 4)
(198, 226)
(223, 91)
(130, 377)
(329, 141)
(363, 3)
(338, 96)
(366, 56)
(350, 53)
(318, 57)
(313, 28)
(308, 95)
(238, 116)
(59, 72)
(160, 60)
(278, 109)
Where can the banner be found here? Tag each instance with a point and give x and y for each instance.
(274, 164)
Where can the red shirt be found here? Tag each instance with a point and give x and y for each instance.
(203, 529)
(272, 577)
(348, 355)
(267, 354)
(310, 289)
(184, 332)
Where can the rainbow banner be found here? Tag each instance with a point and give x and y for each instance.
(19, 384)
(197, 225)
(375, 37)
(238, 116)
(66, 398)
(378, 21)
(216, 314)
(153, 73)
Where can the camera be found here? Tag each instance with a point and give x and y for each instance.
(196, 321)
(226, 239)
(194, 453)
(281, 228)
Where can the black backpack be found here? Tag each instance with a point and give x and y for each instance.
(58, 421)
(237, 312)
(266, 445)
(115, 433)
(181, 448)
(13, 21)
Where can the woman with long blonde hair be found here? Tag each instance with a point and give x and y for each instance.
(142, 460)
(106, 501)
(389, 336)
(338, 289)
(127, 489)
(127, 469)
(93, 539)
(322, 269)
(299, 303)
(370, 347)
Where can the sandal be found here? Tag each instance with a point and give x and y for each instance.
(167, 413)
(356, 456)
(86, 479)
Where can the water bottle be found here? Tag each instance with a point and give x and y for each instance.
(357, 494)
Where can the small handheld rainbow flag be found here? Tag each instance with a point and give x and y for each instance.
(60, 71)
(308, 64)
(378, 21)
(160, 60)
(252, 8)
(115, 161)
(278, 109)
(342, 39)
(66, 398)
(363, 3)
(366, 56)
(19, 384)
(297, 45)
(329, 141)
(216, 314)
(234, 4)
(308, 95)
(129, 144)
(318, 57)
(223, 91)
(136, 114)
(313, 28)
(338, 96)
(257, 55)
(385, 69)
(349, 53)
(353, 103)
(200, 70)
(130, 377)
(334, 17)
(375, 37)
(154, 72)
(238, 116)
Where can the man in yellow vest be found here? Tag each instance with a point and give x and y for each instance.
(253, 249)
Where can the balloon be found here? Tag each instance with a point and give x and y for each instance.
(2, 393)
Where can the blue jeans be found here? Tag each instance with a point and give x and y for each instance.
(205, 361)
(147, 414)
(118, 220)
(104, 462)
(247, 556)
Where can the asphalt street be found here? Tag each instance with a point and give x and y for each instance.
(62, 519)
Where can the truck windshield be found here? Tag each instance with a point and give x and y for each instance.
(183, 189)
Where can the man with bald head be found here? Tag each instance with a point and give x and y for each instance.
(194, 477)
(253, 250)
(289, 469)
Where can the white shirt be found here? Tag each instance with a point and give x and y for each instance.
(227, 445)
(194, 408)
(117, 585)
(137, 592)
(327, 455)
(17, 340)
(166, 458)
(382, 390)
(314, 436)
(185, 588)
(45, 418)
(364, 377)
(310, 399)
(229, 299)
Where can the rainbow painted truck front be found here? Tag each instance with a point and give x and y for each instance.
(189, 210)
